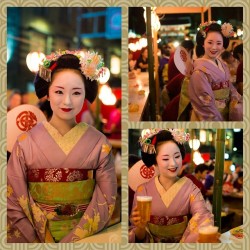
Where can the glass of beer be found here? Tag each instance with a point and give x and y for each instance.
(144, 207)
(208, 234)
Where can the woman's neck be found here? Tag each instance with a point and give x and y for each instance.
(167, 182)
(209, 58)
(62, 126)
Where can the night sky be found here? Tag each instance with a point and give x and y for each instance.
(226, 14)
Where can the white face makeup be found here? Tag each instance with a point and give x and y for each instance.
(213, 45)
(66, 94)
(169, 159)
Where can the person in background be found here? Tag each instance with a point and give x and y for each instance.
(238, 183)
(238, 54)
(232, 64)
(199, 176)
(163, 67)
(142, 61)
(235, 174)
(131, 62)
(14, 100)
(113, 127)
(209, 180)
(25, 97)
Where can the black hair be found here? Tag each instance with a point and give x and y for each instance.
(162, 136)
(187, 44)
(201, 168)
(67, 61)
(118, 103)
(225, 55)
(214, 27)
(238, 50)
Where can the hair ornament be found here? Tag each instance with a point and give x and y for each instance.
(147, 140)
(179, 135)
(91, 64)
(226, 29)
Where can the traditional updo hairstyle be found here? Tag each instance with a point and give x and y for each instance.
(161, 137)
(66, 61)
(213, 27)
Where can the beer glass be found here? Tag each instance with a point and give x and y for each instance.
(208, 234)
(144, 207)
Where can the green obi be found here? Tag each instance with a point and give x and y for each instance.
(167, 233)
(221, 97)
(62, 193)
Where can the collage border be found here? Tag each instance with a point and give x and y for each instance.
(125, 123)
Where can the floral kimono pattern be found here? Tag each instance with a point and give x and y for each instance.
(212, 95)
(45, 169)
(171, 211)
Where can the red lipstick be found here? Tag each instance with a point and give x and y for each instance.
(66, 110)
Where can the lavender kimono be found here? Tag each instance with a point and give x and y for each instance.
(170, 212)
(46, 169)
(211, 93)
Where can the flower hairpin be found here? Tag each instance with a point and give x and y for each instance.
(180, 135)
(226, 29)
(147, 140)
(91, 64)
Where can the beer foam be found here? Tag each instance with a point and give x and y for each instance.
(144, 198)
(208, 230)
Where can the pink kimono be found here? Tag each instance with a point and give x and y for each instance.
(211, 92)
(170, 220)
(60, 188)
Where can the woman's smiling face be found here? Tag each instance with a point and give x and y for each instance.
(213, 45)
(168, 159)
(66, 94)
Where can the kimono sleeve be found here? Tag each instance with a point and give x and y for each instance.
(202, 97)
(101, 207)
(19, 226)
(201, 216)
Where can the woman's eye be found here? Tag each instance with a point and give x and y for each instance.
(77, 93)
(177, 156)
(165, 159)
(58, 92)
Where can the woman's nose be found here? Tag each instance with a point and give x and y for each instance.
(67, 100)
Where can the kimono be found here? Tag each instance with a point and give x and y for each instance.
(170, 220)
(60, 188)
(211, 93)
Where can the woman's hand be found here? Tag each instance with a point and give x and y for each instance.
(135, 219)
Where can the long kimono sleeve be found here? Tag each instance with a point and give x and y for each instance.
(202, 97)
(101, 207)
(201, 216)
(20, 228)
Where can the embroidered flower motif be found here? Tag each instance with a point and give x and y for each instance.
(192, 198)
(53, 175)
(22, 137)
(140, 189)
(17, 234)
(9, 190)
(75, 176)
(106, 148)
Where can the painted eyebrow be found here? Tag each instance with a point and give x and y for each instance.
(174, 153)
(63, 87)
